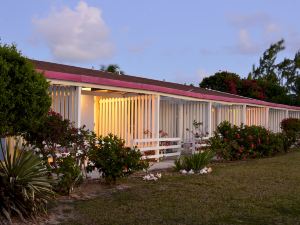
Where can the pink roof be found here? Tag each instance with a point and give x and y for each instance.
(161, 89)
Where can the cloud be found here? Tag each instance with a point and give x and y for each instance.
(254, 32)
(75, 35)
(246, 45)
(250, 20)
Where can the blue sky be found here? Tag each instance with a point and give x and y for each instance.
(175, 40)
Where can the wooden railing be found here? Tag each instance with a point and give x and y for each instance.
(156, 148)
(197, 143)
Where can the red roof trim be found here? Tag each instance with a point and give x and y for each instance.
(149, 87)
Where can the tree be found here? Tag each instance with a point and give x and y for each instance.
(267, 67)
(112, 68)
(24, 98)
(285, 72)
(222, 81)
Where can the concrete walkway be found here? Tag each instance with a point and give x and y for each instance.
(166, 164)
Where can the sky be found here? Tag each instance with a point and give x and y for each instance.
(173, 40)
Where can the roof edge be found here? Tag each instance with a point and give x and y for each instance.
(149, 87)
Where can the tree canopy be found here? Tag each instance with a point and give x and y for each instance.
(24, 98)
(271, 81)
(112, 68)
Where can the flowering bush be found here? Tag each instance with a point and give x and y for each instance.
(67, 147)
(113, 160)
(291, 128)
(231, 142)
(68, 174)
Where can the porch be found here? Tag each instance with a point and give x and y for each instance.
(157, 124)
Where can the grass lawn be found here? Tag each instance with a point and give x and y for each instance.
(265, 191)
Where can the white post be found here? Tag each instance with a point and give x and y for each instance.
(287, 113)
(180, 120)
(157, 112)
(244, 114)
(209, 125)
(78, 107)
(218, 112)
(267, 118)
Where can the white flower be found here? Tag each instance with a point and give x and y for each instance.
(209, 170)
(183, 171)
(151, 176)
(191, 172)
(41, 155)
(203, 171)
(103, 142)
(158, 175)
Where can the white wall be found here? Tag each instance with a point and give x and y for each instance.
(87, 111)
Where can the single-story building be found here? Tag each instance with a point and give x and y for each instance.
(146, 112)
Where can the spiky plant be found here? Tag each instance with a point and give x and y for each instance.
(194, 162)
(25, 188)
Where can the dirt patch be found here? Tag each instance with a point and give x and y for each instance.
(63, 208)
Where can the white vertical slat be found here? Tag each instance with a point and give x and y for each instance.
(78, 107)
(136, 118)
(209, 119)
(132, 118)
(149, 113)
(121, 117)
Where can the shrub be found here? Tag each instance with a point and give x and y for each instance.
(291, 128)
(51, 136)
(25, 188)
(55, 137)
(69, 175)
(24, 98)
(231, 142)
(113, 160)
(194, 162)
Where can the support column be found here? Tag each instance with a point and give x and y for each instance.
(287, 113)
(218, 112)
(180, 120)
(157, 112)
(78, 107)
(244, 115)
(267, 118)
(209, 123)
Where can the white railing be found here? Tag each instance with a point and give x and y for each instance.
(161, 147)
(197, 143)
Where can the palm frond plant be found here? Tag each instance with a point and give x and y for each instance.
(25, 188)
(195, 161)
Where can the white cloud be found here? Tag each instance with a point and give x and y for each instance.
(250, 20)
(75, 35)
(254, 32)
(246, 44)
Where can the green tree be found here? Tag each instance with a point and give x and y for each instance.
(24, 98)
(112, 68)
(267, 67)
(222, 81)
(284, 73)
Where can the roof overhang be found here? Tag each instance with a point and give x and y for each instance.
(93, 80)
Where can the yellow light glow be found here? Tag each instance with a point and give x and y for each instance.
(50, 160)
(86, 89)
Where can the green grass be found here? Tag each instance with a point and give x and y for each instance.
(265, 191)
